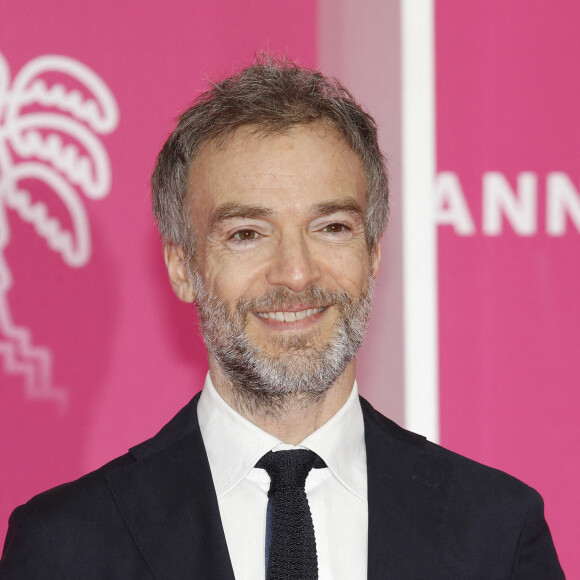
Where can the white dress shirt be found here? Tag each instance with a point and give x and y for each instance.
(337, 494)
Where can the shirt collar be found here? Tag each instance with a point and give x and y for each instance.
(341, 444)
(234, 445)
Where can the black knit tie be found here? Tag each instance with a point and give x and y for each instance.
(292, 553)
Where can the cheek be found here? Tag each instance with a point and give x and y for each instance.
(348, 270)
(231, 279)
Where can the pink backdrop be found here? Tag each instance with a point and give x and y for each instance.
(507, 103)
(124, 350)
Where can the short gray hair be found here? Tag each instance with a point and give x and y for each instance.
(273, 94)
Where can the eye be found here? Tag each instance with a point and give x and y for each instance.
(336, 228)
(245, 235)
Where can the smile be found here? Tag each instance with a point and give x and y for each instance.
(283, 316)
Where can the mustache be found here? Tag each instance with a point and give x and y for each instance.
(282, 298)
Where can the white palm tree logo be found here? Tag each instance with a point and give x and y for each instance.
(47, 134)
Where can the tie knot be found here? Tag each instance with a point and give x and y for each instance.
(289, 469)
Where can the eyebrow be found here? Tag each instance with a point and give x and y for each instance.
(331, 207)
(232, 210)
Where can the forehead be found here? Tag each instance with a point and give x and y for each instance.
(299, 166)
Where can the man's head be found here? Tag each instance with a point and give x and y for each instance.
(271, 198)
(272, 96)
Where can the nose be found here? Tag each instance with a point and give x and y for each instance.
(294, 264)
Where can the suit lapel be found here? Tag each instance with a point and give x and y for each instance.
(408, 497)
(168, 502)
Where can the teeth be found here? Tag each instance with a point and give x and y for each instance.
(282, 316)
(306, 313)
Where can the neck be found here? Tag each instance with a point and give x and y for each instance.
(292, 417)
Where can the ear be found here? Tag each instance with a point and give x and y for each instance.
(376, 258)
(177, 270)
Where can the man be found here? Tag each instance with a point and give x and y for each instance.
(271, 198)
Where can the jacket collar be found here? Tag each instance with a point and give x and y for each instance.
(169, 505)
(408, 495)
(168, 502)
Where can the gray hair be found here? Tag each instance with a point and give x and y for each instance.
(273, 95)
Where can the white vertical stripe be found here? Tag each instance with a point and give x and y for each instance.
(360, 44)
(419, 232)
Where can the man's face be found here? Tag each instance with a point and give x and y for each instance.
(281, 264)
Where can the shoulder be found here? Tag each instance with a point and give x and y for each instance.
(72, 518)
(89, 492)
(78, 516)
(489, 520)
(92, 488)
(435, 463)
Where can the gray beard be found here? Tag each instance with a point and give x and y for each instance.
(305, 368)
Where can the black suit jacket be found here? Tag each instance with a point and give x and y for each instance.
(153, 514)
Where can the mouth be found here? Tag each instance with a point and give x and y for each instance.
(290, 315)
